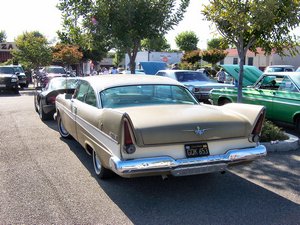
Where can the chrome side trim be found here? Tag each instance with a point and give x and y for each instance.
(186, 166)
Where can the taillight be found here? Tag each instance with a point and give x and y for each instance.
(51, 99)
(258, 127)
(128, 141)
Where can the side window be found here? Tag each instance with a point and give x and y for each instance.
(90, 98)
(287, 85)
(82, 91)
(161, 74)
(163, 92)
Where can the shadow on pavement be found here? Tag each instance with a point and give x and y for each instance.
(202, 199)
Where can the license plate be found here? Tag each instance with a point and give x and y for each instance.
(2, 85)
(196, 150)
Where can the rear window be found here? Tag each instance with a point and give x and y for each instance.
(191, 76)
(128, 96)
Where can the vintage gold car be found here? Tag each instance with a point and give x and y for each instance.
(141, 125)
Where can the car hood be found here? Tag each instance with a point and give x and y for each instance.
(151, 68)
(4, 75)
(185, 123)
(250, 76)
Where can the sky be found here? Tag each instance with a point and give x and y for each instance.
(43, 16)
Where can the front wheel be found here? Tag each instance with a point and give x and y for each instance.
(100, 170)
(298, 125)
(61, 128)
(224, 101)
(42, 114)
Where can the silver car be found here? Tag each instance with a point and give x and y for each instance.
(197, 82)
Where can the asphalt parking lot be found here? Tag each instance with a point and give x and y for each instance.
(47, 180)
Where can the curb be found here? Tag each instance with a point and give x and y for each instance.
(293, 143)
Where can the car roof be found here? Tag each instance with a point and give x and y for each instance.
(281, 66)
(174, 71)
(291, 74)
(102, 82)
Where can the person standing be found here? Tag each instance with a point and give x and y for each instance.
(221, 76)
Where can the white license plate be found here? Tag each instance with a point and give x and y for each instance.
(2, 85)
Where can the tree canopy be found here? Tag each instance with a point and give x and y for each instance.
(187, 41)
(248, 24)
(158, 44)
(66, 55)
(33, 50)
(2, 36)
(217, 43)
(122, 24)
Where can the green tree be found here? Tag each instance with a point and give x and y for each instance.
(33, 50)
(187, 41)
(2, 36)
(213, 56)
(248, 24)
(123, 24)
(158, 44)
(217, 43)
(77, 20)
(118, 57)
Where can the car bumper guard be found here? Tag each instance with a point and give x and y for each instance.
(186, 166)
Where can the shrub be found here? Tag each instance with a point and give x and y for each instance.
(271, 132)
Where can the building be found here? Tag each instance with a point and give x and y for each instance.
(5, 51)
(260, 60)
(146, 56)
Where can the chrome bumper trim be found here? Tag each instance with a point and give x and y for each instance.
(186, 166)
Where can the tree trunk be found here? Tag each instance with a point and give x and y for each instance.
(242, 55)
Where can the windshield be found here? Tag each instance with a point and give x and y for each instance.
(7, 70)
(58, 70)
(297, 80)
(18, 69)
(186, 76)
(64, 83)
(280, 69)
(128, 96)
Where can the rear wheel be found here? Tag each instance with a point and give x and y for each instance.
(41, 112)
(224, 101)
(99, 169)
(61, 128)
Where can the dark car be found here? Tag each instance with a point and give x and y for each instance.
(23, 81)
(47, 73)
(8, 79)
(44, 98)
(197, 82)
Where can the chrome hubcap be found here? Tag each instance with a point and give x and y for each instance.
(97, 163)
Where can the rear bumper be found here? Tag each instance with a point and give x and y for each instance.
(186, 166)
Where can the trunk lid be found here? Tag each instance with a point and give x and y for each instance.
(185, 123)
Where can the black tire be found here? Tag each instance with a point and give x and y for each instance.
(100, 171)
(61, 128)
(16, 91)
(35, 104)
(42, 114)
(224, 101)
(297, 124)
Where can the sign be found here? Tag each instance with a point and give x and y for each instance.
(7, 46)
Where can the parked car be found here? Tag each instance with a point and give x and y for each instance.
(150, 125)
(9, 79)
(280, 68)
(44, 98)
(18, 70)
(279, 92)
(45, 74)
(197, 82)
